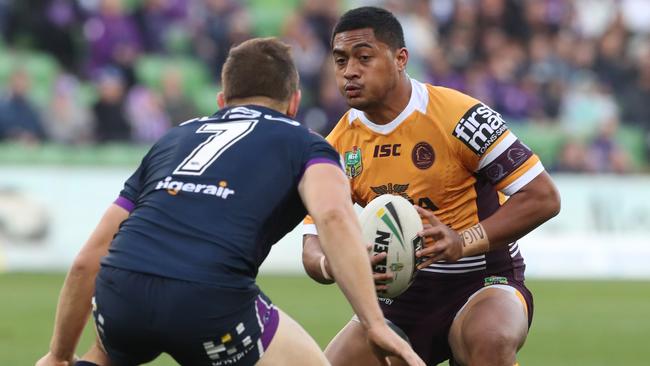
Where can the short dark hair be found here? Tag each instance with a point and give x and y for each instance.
(259, 67)
(386, 27)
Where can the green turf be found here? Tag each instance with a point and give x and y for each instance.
(587, 323)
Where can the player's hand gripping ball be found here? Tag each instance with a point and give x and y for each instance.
(391, 224)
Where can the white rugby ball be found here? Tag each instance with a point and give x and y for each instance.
(390, 224)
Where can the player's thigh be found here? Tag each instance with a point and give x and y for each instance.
(493, 314)
(292, 345)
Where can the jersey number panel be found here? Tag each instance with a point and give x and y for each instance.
(222, 136)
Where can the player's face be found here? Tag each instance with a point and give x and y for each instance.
(366, 68)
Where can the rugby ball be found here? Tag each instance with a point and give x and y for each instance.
(390, 224)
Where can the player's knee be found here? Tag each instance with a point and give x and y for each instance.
(350, 347)
(495, 347)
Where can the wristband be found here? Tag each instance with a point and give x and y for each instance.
(475, 241)
(323, 269)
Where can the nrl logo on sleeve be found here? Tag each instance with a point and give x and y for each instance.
(479, 128)
(353, 162)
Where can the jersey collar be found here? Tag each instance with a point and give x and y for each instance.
(419, 100)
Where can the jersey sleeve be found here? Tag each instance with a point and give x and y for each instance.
(488, 148)
(132, 188)
(319, 151)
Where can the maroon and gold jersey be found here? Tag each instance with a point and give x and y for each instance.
(446, 152)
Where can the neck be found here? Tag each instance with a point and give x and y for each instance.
(267, 102)
(393, 103)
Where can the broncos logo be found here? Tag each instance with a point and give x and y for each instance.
(423, 155)
(390, 188)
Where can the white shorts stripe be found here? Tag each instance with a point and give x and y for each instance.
(457, 265)
(514, 254)
(428, 269)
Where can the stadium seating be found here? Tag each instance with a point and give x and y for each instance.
(41, 67)
(269, 15)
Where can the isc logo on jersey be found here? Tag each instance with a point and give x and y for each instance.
(479, 128)
(174, 187)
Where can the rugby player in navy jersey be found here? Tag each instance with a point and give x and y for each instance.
(181, 246)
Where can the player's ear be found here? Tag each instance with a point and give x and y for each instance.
(221, 100)
(294, 103)
(401, 58)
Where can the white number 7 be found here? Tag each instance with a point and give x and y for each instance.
(223, 136)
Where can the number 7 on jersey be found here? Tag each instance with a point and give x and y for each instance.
(222, 136)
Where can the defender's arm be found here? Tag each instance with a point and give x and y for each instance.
(74, 305)
(340, 236)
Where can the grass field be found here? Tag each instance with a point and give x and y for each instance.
(587, 323)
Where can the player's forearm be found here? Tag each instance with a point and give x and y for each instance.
(530, 207)
(72, 312)
(74, 304)
(342, 244)
(340, 238)
(313, 260)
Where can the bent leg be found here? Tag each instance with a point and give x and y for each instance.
(96, 355)
(292, 345)
(490, 328)
(350, 347)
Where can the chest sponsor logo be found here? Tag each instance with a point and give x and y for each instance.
(423, 155)
(353, 162)
(382, 151)
(174, 187)
(400, 190)
(479, 128)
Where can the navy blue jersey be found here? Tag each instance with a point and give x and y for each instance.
(214, 194)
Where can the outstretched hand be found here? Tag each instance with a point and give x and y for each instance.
(446, 244)
(50, 360)
(385, 342)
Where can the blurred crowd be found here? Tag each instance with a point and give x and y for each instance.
(581, 67)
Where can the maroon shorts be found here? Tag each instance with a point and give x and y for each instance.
(427, 309)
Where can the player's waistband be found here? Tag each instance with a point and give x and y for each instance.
(237, 291)
(477, 263)
(179, 269)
